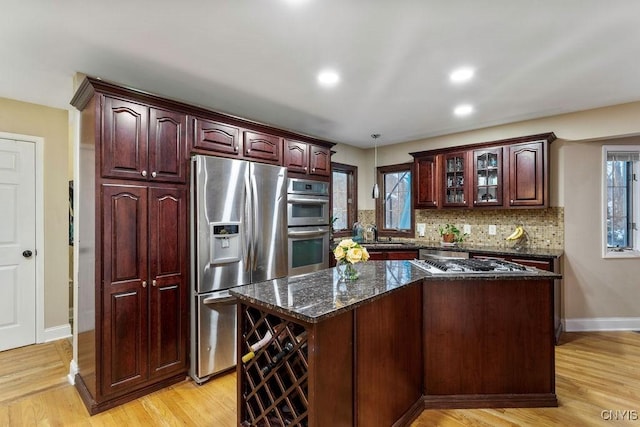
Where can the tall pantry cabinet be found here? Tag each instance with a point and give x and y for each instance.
(133, 242)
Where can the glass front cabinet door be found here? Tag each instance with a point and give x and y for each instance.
(487, 177)
(455, 193)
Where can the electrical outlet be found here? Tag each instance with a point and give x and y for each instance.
(421, 226)
(466, 229)
(492, 230)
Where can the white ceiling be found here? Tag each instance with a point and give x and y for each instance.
(259, 58)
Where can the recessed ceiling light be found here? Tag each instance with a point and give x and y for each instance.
(295, 2)
(463, 110)
(328, 78)
(461, 75)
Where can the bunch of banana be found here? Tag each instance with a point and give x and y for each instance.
(517, 233)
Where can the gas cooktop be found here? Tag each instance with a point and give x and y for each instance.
(471, 266)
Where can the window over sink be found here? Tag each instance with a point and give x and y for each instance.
(394, 209)
(621, 201)
(344, 199)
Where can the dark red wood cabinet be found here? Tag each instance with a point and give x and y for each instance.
(486, 178)
(552, 264)
(145, 293)
(455, 179)
(510, 173)
(262, 146)
(215, 136)
(133, 321)
(527, 171)
(426, 190)
(143, 143)
(307, 159)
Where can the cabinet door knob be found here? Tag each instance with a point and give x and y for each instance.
(154, 283)
(511, 201)
(154, 174)
(305, 168)
(248, 150)
(144, 283)
(144, 173)
(235, 148)
(313, 169)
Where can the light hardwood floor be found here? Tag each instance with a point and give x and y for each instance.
(595, 372)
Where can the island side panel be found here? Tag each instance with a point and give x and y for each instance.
(489, 343)
(389, 358)
(331, 372)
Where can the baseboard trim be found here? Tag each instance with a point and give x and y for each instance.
(57, 333)
(73, 370)
(597, 324)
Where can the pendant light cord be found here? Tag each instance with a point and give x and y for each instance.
(375, 191)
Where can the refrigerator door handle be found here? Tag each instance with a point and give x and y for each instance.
(254, 239)
(248, 224)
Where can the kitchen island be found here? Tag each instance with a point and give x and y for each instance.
(379, 350)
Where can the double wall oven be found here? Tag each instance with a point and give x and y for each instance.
(308, 225)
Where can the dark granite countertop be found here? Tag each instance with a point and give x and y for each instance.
(497, 250)
(461, 247)
(316, 296)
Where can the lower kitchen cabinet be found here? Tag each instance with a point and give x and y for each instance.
(543, 263)
(141, 311)
(383, 255)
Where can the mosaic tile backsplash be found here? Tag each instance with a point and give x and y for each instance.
(544, 227)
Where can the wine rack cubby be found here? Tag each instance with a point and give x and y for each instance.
(274, 379)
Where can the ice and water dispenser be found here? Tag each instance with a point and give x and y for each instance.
(225, 243)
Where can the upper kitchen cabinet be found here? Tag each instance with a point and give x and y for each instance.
(215, 136)
(487, 177)
(528, 174)
(142, 142)
(262, 147)
(454, 179)
(425, 191)
(307, 159)
(509, 173)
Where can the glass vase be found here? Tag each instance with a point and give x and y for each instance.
(348, 271)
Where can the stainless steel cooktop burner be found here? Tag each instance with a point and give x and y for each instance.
(471, 266)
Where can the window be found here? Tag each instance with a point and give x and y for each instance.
(621, 201)
(394, 209)
(344, 198)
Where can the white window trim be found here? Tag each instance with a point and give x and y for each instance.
(607, 253)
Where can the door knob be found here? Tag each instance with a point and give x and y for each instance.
(27, 254)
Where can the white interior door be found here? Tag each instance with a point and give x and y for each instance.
(17, 244)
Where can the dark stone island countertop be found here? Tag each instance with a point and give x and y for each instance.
(316, 296)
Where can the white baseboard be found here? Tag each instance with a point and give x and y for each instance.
(57, 333)
(73, 370)
(602, 324)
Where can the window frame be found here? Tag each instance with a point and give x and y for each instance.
(607, 252)
(380, 214)
(352, 193)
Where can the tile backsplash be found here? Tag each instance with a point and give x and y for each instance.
(544, 227)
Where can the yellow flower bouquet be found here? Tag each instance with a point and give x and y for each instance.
(349, 253)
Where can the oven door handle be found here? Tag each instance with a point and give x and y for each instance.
(307, 201)
(307, 233)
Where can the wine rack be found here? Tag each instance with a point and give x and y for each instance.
(274, 382)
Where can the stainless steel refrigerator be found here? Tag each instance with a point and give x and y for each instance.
(239, 236)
